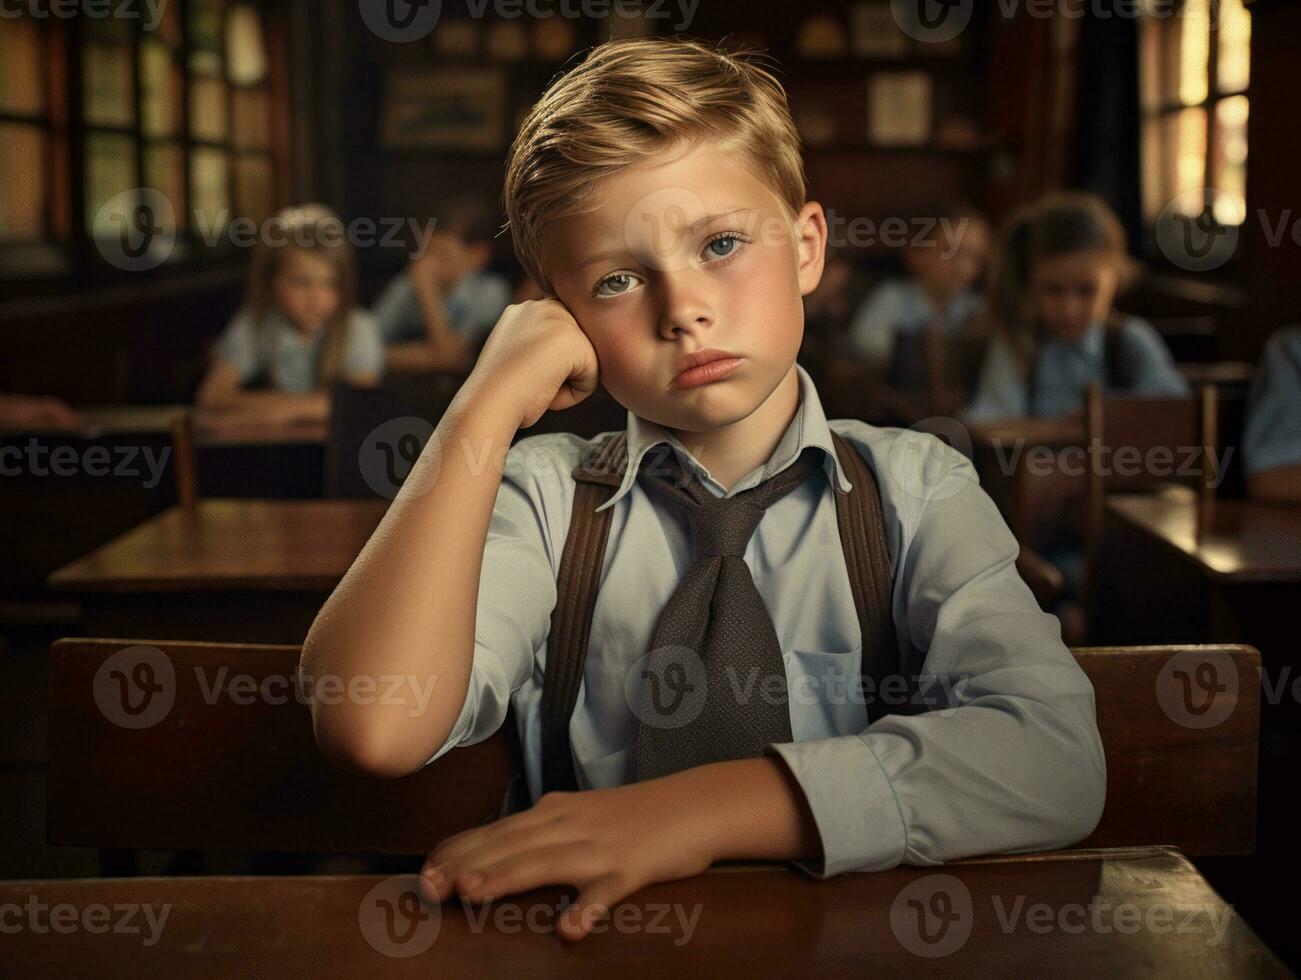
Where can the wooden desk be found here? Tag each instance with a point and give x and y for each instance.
(1246, 541)
(239, 570)
(1083, 914)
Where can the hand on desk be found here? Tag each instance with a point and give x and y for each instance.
(611, 842)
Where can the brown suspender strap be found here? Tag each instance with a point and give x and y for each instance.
(867, 560)
(862, 536)
(571, 621)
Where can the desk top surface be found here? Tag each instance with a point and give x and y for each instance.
(1246, 541)
(210, 428)
(1129, 912)
(261, 545)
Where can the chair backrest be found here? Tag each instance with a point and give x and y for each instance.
(1180, 727)
(364, 420)
(1135, 442)
(185, 460)
(225, 757)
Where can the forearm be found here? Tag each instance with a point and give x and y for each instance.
(750, 809)
(406, 608)
(264, 404)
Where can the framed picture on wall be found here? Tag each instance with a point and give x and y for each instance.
(444, 109)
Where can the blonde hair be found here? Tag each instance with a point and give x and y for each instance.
(317, 230)
(629, 100)
(1059, 223)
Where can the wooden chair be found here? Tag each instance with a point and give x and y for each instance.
(1140, 426)
(241, 770)
(185, 460)
(228, 770)
(1180, 727)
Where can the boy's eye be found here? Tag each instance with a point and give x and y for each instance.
(615, 285)
(723, 246)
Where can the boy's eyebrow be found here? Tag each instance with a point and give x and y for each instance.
(615, 253)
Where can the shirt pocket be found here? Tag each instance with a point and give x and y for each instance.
(825, 692)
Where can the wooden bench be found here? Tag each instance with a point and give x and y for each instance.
(239, 769)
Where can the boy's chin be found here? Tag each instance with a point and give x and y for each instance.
(704, 409)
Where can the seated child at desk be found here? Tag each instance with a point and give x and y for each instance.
(722, 577)
(436, 313)
(944, 260)
(299, 329)
(1057, 271)
(1271, 444)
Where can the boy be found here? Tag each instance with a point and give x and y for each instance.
(943, 265)
(1271, 443)
(436, 313)
(657, 194)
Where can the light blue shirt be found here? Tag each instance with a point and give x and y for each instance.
(287, 358)
(901, 306)
(1063, 372)
(473, 307)
(1010, 759)
(1272, 437)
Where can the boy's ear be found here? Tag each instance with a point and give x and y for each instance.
(811, 245)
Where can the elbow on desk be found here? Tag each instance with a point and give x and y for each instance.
(365, 748)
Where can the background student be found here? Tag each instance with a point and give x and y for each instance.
(944, 264)
(1057, 271)
(1271, 444)
(436, 313)
(299, 329)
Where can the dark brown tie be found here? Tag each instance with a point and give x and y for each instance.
(713, 686)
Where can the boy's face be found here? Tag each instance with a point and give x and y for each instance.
(952, 261)
(686, 252)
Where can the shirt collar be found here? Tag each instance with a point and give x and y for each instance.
(808, 428)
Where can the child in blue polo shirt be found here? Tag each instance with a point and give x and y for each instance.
(1271, 444)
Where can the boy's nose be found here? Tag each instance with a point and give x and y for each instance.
(684, 305)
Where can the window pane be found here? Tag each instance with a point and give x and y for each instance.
(164, 166)
(1235, 47)
(1152, 36)
(1188, 140)
(208, 108)
(1230, 159)
(252, 126)
(1194, 49)
(246, 56)
(254, 187)
(108, 86)
(22, 181)
(21, 75)
(210, 187)
(160, 90)
(205, 36)
(110, 169)
(1155, 194)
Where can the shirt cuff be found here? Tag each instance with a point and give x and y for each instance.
(853, 804)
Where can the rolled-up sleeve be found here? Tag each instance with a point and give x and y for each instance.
(1008, 757)
(517, 588)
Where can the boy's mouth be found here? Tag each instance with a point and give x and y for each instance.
(704, 366)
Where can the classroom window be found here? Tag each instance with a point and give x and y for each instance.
(33, 138)
(1195, 71)
(184, 107)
